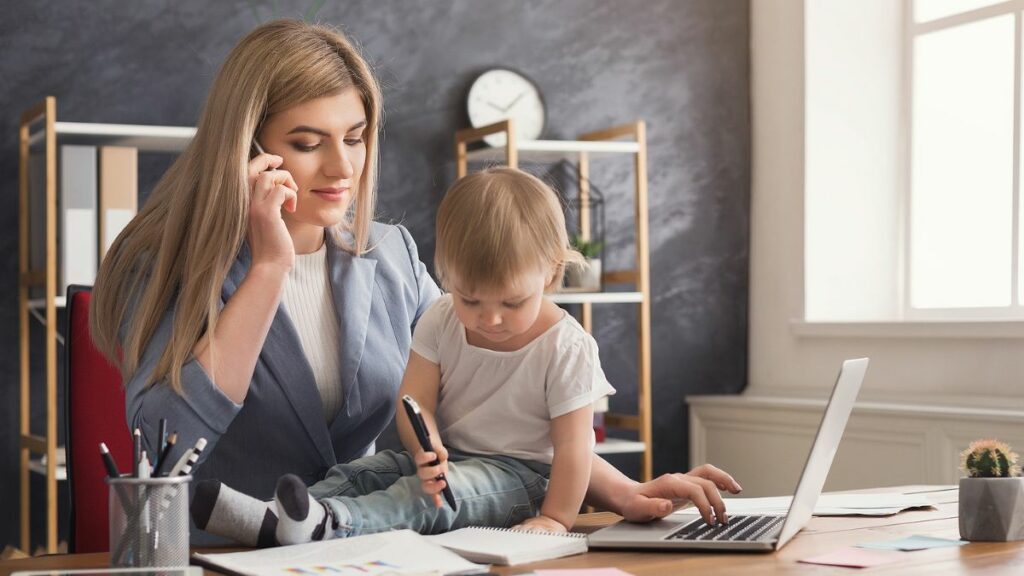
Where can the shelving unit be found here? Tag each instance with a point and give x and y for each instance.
(39, 129)
(627, 139)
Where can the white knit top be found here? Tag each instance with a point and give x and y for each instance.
(310, 305)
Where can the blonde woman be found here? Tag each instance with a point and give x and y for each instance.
(253, 301)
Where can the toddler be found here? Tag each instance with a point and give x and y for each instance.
(505, 380)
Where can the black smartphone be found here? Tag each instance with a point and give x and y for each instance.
(412, 409)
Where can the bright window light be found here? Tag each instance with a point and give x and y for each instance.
(961, 203)
(928, 10)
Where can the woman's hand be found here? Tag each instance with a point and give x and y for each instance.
(650, 500)
(541, 523)
(271, 191)
(429, 473)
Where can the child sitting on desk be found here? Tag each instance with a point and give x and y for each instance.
(505, 379)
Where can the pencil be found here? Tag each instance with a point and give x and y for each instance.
(165, 454)
(158, 449)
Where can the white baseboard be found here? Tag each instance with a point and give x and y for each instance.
(764, 441)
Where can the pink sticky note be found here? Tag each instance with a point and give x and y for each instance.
(853, 558)
(582, 572)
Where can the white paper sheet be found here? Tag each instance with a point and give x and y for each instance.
(398, 552)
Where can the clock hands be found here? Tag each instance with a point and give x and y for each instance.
(514, 100)
(504, 109)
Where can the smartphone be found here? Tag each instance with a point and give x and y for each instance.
(412, 410)
(256, 148)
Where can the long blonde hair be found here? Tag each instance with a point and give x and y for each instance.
(177, 251)
(499, 223)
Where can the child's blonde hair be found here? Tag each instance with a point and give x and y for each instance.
(498, 224)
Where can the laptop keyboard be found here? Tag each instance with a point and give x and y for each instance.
(739, 529)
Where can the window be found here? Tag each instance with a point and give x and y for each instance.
(962, 249)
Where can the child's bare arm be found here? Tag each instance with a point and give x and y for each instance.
(422, 381)
(570, 470)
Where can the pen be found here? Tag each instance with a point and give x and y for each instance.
(136, 452)
(165, 454)
(108, 461)
(158, 450)
(145, 527)
(189, 459)
(144, 469)
(412, 409)
(182, 468)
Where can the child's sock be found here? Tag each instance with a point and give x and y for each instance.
(301, 518)
(220, 510)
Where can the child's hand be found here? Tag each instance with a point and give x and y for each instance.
(541, 523)
(429, 472)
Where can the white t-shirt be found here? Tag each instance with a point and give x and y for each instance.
(310, 305)
(503, 402)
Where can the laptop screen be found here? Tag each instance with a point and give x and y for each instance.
(830, 432)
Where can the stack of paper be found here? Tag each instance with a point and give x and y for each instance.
(882, 504)
(397, 552)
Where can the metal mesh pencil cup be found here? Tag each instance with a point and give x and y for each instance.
(148, 521)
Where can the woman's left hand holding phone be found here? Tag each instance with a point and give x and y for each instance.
(272, 190)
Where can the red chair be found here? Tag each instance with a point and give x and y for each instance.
(94, 413)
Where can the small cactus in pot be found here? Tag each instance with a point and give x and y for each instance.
(992, 493)
(989, 459)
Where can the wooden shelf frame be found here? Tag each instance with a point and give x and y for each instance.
(39, 132)
(46, 445)
(628, 139)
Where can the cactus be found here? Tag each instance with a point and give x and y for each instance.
(989, 459)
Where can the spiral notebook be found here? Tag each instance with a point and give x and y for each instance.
(510, 547)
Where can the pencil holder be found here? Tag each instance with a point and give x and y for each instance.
(148, 521)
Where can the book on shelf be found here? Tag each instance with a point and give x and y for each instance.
(77, 253)
(395, 552)
(510, 547)
(119, 192)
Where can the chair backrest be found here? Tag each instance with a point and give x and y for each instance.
(94, 413)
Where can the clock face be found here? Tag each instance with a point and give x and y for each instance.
(499, 94)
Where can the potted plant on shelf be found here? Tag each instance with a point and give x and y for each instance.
(992, 493)
(588, 276)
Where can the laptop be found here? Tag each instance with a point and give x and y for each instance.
(763, 533)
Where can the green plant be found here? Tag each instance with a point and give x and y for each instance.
(590, 249)
(989, 459)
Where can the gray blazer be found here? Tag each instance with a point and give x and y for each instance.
(280, 427)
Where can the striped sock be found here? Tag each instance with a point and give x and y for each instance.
(220, 510)
(301, 518)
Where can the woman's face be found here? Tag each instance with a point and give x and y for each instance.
(323, 146)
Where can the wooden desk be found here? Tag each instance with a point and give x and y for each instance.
(821, 535)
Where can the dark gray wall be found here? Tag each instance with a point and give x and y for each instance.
(683, 66)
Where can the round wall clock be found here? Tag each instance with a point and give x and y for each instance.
(500, 93)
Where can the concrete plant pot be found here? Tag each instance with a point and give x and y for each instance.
(992, 509)
(588, 278)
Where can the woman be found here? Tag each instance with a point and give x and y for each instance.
(253, 302)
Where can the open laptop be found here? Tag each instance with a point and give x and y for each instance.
(763, 533)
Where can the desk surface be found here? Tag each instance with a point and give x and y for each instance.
(821, 535)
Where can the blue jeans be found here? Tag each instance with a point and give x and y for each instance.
(382, 492)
